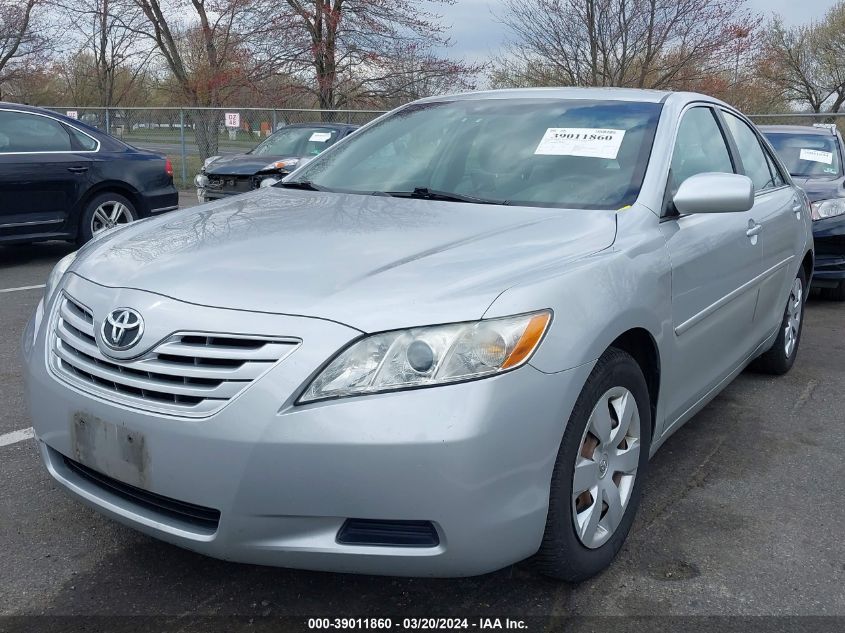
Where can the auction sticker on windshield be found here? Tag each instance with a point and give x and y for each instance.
(586, 142)
(320, 137)
(817, 156)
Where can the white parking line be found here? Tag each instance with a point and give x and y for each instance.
(16, 436)
(21, 288)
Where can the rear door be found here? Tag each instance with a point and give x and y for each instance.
(713, 260)
(42, 174)
(778, 212)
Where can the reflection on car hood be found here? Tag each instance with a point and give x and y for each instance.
(372, 262)
(242, 164)
(821, 189)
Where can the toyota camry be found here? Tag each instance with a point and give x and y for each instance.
(449, 343)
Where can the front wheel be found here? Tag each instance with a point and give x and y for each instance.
(105, 211)
(780, 358)
(598, 475)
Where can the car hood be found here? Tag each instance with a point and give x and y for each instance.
(242, 164)
(821, 189)
(371, 262)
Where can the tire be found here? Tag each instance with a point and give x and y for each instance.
(780, 358)
(615, 384)
(834, 294)
(105, 210)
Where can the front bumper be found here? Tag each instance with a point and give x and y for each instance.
(829, 240)
(474, 459)
(219, 186)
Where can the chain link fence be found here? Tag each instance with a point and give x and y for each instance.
(190, 135)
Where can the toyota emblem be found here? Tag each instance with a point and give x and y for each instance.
(122, 329)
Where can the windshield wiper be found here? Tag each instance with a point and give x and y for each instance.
(306, 185)
(424, 193)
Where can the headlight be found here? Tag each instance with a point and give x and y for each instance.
(430, 356)
(828, 208)
(201, 181)
(209, 160)
(282, 164)
(56, 275)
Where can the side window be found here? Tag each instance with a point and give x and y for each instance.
(82, 141)
(24, 132)
(754, 159)
(699, 147)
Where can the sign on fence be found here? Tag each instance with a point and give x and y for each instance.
(73, 114)
(233, 119)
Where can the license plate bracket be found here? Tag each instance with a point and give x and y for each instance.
(111, 449)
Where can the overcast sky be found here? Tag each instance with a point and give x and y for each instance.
(477, 35)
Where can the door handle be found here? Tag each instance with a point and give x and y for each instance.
(753, 228)
(77, 169)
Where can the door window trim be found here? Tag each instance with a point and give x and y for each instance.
(726, 138)
(770, 159)
(58, 151)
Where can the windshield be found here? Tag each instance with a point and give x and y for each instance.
(808, 155)
(532, 152)
(297, 141)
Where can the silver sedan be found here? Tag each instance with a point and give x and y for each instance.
(449, 343)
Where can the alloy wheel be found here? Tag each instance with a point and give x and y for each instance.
(606, 467)
(793, 317)
(109, 215)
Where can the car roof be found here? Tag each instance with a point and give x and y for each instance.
(797, 129)
(5, 105)
(596, 94)
(334, 126)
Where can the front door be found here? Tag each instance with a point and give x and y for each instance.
(713, 258)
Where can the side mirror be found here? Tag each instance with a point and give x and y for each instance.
(715, 193)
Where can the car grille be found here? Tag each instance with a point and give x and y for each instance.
(233, 183)
(186, 374)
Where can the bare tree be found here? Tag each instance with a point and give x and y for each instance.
(22, 36)
(212, 48)
(805, 62)
(110, 55)
(634, 43)
(372, 48)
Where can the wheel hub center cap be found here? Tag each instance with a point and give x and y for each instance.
(603, 466)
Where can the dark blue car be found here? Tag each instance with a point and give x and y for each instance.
(62, 179)
(814, 157)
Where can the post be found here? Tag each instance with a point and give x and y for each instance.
(182, 146)
(108, 123)
(273, 130)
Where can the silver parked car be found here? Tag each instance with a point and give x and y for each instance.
(449, 343)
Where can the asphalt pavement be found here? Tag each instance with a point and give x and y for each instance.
(743, 514)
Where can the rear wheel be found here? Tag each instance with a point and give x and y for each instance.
(105, 211)
(837, 293)
(598, 476)
(780, 358)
